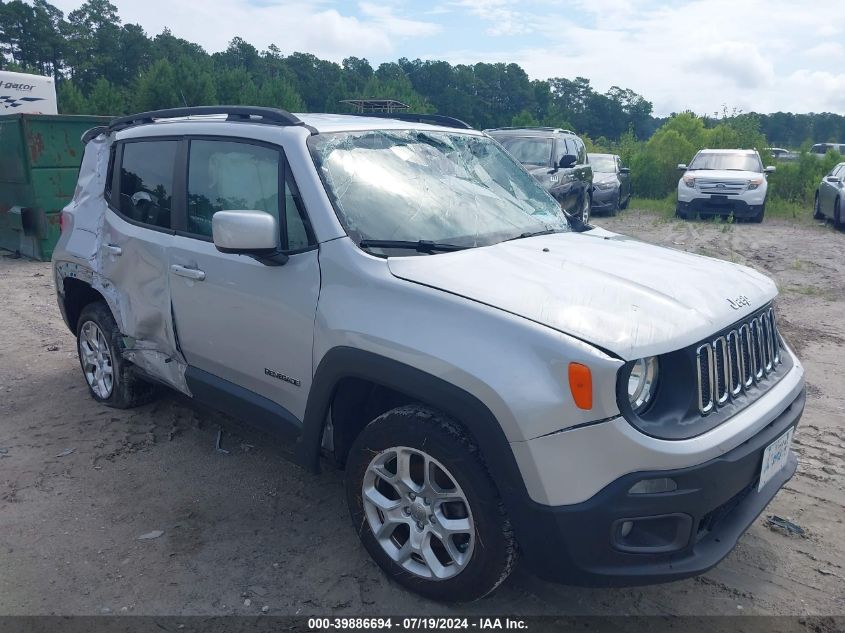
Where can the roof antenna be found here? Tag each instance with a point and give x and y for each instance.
(185, 101)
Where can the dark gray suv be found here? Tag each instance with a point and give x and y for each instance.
(558, 161)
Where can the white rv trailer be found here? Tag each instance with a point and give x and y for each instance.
(27, 94)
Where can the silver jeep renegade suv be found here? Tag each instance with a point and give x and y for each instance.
(399, 295)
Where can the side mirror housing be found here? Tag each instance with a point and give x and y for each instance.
(682, 167)
(567, 160)
(624, 170)
(831, 179)
(770, 169)
(253, 233)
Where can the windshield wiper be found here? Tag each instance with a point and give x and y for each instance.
(421, 246)
(522, 236)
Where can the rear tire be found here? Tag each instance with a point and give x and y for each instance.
(626, 203)
(109, 376)
(415, 478)
(837, 214)
(617, 206)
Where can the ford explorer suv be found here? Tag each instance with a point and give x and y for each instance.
(399, 296)
(558, 161)
(726, 182)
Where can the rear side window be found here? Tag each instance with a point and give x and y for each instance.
(146, 182)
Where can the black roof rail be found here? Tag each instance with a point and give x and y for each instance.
(414, 117)
(253, 114)
(532, 127)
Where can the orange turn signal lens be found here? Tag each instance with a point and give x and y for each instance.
(581, 385)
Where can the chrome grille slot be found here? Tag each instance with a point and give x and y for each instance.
(704, 360)
(735, 365)
(734, 362)
(757, 348)
(747, 356)
(721, 370)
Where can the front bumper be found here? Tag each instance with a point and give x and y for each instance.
(605, 198)
(724, 205)
(714, 504)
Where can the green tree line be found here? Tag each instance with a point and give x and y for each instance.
(103, 66)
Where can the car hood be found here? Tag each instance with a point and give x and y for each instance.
(722, 174)
(604, 177)
(617, 293)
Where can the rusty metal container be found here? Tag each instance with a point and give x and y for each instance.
(39, 163)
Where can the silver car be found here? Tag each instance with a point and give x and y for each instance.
(830, 197)
(400, 295)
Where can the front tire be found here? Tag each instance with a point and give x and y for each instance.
(425, 507)
(586, 209)
(817, 208)
(100, 347)
(837, 214)
(758, 217)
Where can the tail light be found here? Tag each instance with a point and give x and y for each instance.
(64, 221)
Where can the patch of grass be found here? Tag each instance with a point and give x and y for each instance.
(664, 207)
(784, 209)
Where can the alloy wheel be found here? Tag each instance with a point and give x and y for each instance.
(96, 360)
(418, 513)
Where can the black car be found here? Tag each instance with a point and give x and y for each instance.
(611, 183)
(558, 161)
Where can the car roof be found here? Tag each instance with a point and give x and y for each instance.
(318, 122)
(528, 131)
(726, 151)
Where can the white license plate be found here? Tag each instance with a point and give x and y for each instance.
(775, 458)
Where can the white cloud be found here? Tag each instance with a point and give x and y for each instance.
(312, 27)
(502, 18)
(740, 62)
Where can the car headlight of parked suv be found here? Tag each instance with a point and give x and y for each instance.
(755, 182)
(689, 181)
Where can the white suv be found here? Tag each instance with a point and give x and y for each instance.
(400, 295)
(724, 182)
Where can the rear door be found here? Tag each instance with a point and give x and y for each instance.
(237, 319)
(137, 233)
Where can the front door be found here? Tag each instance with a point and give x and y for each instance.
(236, 318)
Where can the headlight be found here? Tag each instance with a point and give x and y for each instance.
(754, 183)
(642, 383)
(689, 181)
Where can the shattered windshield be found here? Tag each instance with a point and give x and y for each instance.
(412, 185)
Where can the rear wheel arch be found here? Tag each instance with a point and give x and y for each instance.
(77, 294)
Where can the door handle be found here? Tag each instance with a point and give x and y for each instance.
(190, 273)
(114, 250)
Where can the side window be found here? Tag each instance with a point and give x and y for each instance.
(582, 152)
(146, 181)
(560, 150)
(298, 230)
(230, 176)
(110, 174)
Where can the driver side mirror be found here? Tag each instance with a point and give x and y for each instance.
(567, 160)
(624, 170)
(682, 167)
(833, 179)
(770, 169)
(253, 233)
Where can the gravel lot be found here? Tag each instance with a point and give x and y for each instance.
(80, 483)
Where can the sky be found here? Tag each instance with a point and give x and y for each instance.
(701, 55)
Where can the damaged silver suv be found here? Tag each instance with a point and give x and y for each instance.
(400, 296)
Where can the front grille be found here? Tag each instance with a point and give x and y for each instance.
(721, 187)
(736, 361)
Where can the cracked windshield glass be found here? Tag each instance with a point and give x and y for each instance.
(446, 188)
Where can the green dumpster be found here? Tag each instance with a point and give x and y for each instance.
(39, 162)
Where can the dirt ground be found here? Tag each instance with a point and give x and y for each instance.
(80, 483)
